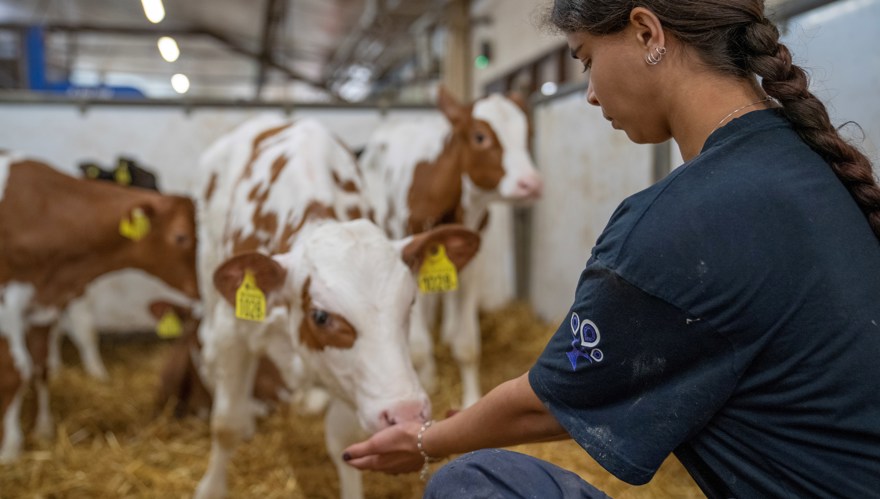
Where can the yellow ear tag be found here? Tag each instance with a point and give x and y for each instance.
(250, 302)
(169, 326)
(438, 273)
(122, 175)
(135, 228)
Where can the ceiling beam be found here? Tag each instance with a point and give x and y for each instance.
(274, 16)
(270, 61)
(181, 32)
(108, 29)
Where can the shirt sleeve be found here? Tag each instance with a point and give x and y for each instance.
(629, 376)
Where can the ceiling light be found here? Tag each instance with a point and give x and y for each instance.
(180, 83)
(154, 10)
(168, 48)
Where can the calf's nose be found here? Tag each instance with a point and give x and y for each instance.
(411, 410)
(530, 185)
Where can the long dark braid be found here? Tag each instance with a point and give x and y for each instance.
(789, 85)
(734, 37)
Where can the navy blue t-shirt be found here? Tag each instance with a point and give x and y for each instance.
(730, 313)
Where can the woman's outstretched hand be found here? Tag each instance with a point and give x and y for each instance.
(392, 450)
(509, 414)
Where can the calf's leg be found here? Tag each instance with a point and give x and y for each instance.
(341, 429)
(233, 366)
(461, 330)
(38, 346)
(421, 343)
(85, 337)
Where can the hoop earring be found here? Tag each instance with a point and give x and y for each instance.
(656, 57)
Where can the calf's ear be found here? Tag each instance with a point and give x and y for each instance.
(454, 111)
(268, 274)
(90, 170)
(460, 243)
(159, 308)
(519, 99)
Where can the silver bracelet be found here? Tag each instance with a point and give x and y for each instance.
(426, 468)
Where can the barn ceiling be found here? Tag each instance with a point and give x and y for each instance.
(298, 50)
(228, 48)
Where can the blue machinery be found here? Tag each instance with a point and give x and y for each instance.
(35, 57)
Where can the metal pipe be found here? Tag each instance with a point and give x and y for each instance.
(786, 10)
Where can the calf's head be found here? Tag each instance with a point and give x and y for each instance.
(494, 133)
(168, 249)
(350, 293)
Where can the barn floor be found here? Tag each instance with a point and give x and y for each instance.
(109, 443)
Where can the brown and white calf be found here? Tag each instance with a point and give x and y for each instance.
(57, 234)
(78, 319)
(282, 208)
(448, 169)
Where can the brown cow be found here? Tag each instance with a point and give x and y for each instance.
(57, 234)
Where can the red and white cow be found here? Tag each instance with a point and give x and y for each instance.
(445, 169)
(282, 210)
(78, 320)
(57, 234)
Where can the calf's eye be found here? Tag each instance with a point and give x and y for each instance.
(320, 317)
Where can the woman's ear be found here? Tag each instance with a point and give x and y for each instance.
(648, 28)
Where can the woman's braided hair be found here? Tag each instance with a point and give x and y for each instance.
(734, 37)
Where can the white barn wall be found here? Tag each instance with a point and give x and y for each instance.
(164, 139)
(589, 169)
(837, 44)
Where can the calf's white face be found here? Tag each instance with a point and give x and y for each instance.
(495, 134)
(349, 292)
(521, 181)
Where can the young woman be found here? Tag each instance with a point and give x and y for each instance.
(729, 314)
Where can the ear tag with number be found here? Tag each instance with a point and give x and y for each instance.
(135, 228)
(250, 302)
(169, 326)
(122, 175)
(438, 273)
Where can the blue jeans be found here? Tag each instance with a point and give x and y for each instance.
(496, 473)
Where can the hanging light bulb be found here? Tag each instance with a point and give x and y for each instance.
(168, 48)
(180, 83)
(154, 10)
(549, 88)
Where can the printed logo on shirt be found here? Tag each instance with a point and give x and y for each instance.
(585, 339)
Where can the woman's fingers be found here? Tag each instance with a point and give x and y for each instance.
(387, 463)
(391, 450)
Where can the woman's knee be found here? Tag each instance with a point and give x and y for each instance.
(496, 473)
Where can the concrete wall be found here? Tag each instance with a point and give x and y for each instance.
(589, 168)
(166, 139)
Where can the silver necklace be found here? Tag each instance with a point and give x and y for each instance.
(765, 99)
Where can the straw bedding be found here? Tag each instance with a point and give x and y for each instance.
(109, 442)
